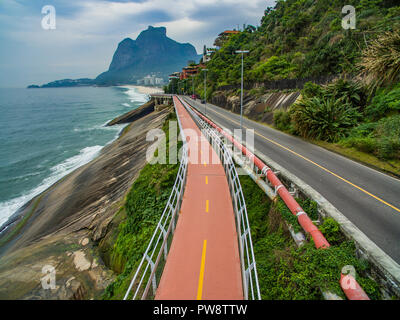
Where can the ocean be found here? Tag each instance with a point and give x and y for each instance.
(47, 133)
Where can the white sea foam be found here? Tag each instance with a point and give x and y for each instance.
(98, 127)
(7, 208)
(135, 96)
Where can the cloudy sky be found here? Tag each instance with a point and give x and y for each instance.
(88, 32)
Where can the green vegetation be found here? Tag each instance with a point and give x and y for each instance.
(390, 166)
(309, 206)
(323, 119)
(274, 68)
(325, 112)
(304, 38)
(384, 103)
(137, 220)
(381, 60)
(287, 272)
(381, 138)
(282, 120)
(331, 230)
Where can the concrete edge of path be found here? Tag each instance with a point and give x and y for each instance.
(385, 268)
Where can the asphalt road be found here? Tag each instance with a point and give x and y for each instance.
(368, 198)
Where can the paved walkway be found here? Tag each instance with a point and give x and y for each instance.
(203, 262)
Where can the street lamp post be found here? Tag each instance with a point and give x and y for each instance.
(242, 52)
(205, 90)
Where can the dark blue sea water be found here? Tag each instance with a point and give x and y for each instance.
(47, 133)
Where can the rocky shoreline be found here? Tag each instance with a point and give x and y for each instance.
(62, 227)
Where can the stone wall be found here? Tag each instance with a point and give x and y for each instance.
(259, 108)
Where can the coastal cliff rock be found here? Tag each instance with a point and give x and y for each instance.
(61, 229)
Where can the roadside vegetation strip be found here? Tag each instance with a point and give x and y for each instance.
(288, 272)
(391, 167)
(137, 219)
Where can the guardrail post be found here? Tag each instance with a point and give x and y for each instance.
(153, 280)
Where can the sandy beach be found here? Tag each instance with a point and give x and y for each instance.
(145, 90)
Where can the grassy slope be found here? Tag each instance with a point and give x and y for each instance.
(137, 220)
(387, 166)
(290, 273)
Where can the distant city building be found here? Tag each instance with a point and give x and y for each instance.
(159, 81)
(190, 71)
(187, 72)
(150, 80)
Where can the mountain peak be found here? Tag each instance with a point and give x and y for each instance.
(151, 53)
(153, 32)
(161, 30)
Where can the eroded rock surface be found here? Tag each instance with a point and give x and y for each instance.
(66, 223)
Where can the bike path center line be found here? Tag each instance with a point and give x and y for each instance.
(202, 267)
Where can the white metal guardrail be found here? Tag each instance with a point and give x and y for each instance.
(145, 281)
(251, 287)
(149, 271)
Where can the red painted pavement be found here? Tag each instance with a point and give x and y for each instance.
(203, 262)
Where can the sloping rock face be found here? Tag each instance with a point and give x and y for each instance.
(256, 108)
(66, 223)
(151, 53)
(133, 115)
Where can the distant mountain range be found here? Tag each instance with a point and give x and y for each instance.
(151, 53)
